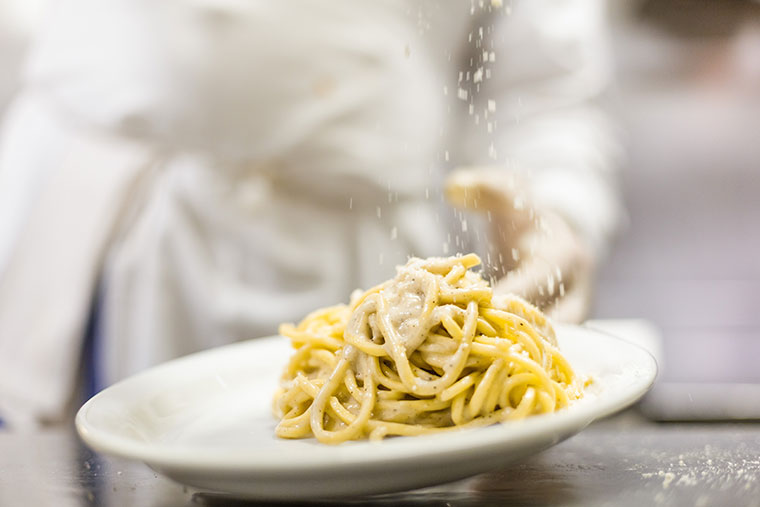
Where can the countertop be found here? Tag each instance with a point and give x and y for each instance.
(621, 461)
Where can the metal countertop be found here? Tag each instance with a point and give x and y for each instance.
(621, 461)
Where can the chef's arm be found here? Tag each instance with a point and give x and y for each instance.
(553, 201)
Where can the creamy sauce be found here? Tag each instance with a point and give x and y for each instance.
(405, 296)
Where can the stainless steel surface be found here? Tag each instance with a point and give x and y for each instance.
(617, 462)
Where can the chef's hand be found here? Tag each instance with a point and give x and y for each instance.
(545, 260)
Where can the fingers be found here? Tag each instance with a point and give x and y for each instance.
(554, 271)
(539, 280)
(564, 299)
(488, 190)
(573, 307)
(500, 195)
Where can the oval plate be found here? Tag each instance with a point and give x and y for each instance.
(205, 420)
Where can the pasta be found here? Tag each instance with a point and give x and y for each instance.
(430, 350)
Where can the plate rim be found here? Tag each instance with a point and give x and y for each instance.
(354, 455)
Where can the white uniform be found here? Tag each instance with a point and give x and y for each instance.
(224, 166)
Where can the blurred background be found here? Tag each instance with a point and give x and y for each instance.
(689, 260)
(688, 99)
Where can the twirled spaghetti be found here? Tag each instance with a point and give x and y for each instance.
(429, 350)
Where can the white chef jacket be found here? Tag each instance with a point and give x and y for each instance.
(221, 166)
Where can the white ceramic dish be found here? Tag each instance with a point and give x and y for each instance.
(205, 420)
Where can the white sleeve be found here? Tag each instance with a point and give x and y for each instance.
(544, 70)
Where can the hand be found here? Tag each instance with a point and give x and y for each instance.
(538, 253)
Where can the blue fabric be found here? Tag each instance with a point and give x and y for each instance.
(93, 380)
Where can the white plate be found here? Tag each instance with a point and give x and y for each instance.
(205, 420)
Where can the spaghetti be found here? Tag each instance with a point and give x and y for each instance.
(427, 351)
